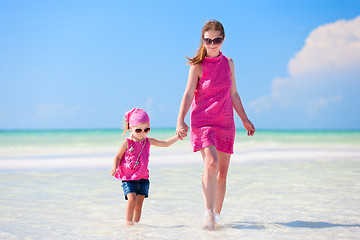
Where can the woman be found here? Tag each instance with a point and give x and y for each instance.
(211, 91)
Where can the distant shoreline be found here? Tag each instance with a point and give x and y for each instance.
(169, 129)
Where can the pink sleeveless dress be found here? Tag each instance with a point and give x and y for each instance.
(134, 163)
(212, 116)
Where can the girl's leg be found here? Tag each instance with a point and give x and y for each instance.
(209, 182)
(224, 160)
(138, 207)
(129, 214)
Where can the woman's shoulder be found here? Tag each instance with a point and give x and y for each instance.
(231, 63)
(196, 69)
(230, 60)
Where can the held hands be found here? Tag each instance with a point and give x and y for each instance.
(249, 127)
(181, 130)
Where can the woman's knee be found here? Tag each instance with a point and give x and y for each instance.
(210, 156)
(211, 165)
(224, 160)
(221, 177)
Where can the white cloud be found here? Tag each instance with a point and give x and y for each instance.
(331, 46)
(322, 102)
(325, 71)
(261, 104)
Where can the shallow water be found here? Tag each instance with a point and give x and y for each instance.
(281, 185)
(287, 200)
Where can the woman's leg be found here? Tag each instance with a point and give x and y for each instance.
(209, 178)
(129, 214)
(223, 166)
(138, 207)
(209, 182)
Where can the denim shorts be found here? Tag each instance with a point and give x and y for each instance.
(140, 187)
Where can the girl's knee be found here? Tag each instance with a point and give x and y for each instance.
(139, 202)
(138, 206)
(132, 198)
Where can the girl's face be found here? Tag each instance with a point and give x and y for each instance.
(213, 48)
(140, 131)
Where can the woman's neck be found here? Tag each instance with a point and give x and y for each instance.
(212, 55)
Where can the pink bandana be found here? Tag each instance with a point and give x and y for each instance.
(137, 116)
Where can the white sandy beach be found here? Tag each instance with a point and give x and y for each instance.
(178, 155)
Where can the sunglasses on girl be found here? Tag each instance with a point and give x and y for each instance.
(216, 41)
(139, 130)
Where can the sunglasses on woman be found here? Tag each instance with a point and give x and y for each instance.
(139, 130)
(216, 41)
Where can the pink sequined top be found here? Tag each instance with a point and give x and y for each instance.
(134, 163)
(212, 117)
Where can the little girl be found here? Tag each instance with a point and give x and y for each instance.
(132, 159)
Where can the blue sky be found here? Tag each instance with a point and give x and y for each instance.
(82, 64)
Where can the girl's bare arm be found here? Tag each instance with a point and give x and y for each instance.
(164, 143)
(117, 159)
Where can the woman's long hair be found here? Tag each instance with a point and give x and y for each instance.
(212, 25)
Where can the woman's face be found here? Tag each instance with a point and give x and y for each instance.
(213, 48)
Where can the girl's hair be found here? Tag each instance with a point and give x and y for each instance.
(211, 25)
(126, 126)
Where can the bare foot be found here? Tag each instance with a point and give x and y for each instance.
(129, 223)
(209, 222)
(217, 218)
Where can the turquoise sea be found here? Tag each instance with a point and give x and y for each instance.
(55, 184)
(27, 142)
